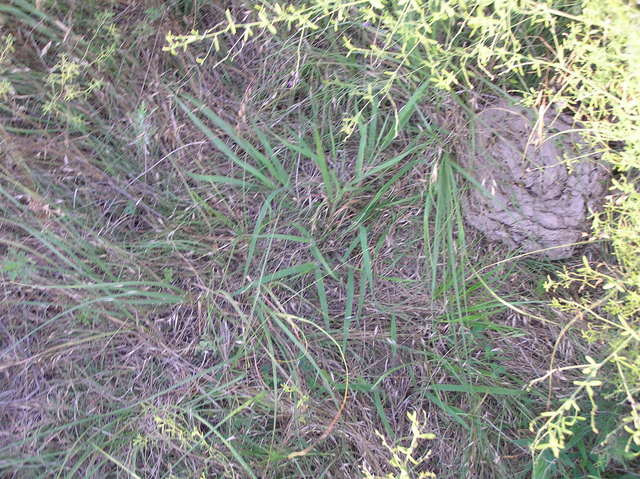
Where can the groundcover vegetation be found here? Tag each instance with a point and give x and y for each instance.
(233, 242)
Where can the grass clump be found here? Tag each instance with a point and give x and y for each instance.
(242, 259)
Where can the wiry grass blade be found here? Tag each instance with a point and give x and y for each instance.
(251, 170)
(362, 150)
(390, 163)
(348, 307)
(405, 114)
(367, 269)
(445, 237)
(315, 251)
(322, 298)
(264, 209)
(222, 180)
(38, 25)
(329, 180)
(270, 162)
(291, 271)
(280, 172)
(373, 203)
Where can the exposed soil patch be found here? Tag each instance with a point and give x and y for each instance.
(541, 181)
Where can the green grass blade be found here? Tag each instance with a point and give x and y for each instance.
(223, 180)
(328, 179)
(266, 207)
(348, 308)
(263, 160)
(322, 298)
(367, 268)
(223, 148)
(281, 173)
(475, 389)
(368, 209)
(237, 456)
(362, 150)
(315, 251)
(297, 270)
(404, 114)
(377, 170)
